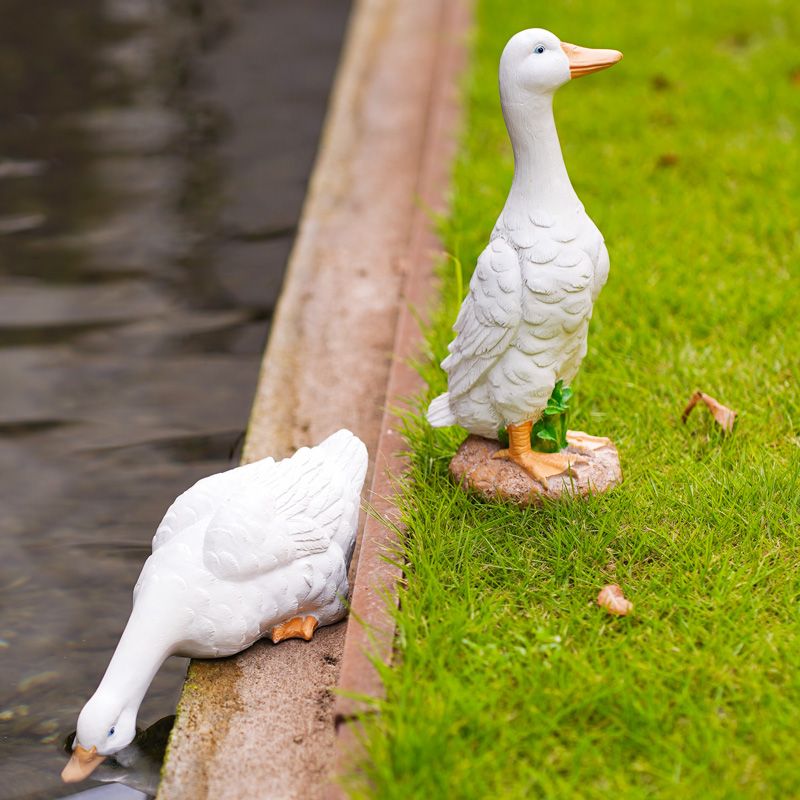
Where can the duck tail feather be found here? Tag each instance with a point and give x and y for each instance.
(349, 454)
(440, 415)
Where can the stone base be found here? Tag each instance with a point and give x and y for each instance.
(497, 479)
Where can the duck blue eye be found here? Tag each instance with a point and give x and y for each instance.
(111, 732)
(539, 49)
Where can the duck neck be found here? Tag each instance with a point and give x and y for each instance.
(540, 175)
(138, 657)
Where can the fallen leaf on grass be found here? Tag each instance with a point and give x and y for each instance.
(661, 83)
(724, 416)
(614, 601)
(668, 160)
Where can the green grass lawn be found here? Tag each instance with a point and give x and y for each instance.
(509, 681)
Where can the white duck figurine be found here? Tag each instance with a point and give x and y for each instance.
(261, 550)
(524, 323)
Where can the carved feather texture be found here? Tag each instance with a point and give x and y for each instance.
(282, 514)
(524, 323)
(252, 547)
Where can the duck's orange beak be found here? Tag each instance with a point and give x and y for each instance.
(81, 765)
(585, 60)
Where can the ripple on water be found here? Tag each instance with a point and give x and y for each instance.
(153, 161)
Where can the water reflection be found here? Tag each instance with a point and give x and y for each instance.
(139, 764)
(153, 160)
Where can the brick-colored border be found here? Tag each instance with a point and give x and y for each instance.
(371, 631)
(261, 724)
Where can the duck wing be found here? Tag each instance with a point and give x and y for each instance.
(600, 271)
(206, 497)
(291, 512)
(489, 318)
(560, 282)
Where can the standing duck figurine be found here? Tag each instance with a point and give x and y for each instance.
(260, 550)
(523, 326)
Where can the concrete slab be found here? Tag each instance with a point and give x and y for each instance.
(370, 635)
(261, 725)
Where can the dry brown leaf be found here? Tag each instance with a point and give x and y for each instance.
(614, 601)
(724, 416)
(668, 160)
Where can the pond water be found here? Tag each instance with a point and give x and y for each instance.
(154, 156)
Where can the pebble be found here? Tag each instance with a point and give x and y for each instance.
(39, 679)
(16, 711)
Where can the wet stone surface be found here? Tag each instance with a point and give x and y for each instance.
(153, 161)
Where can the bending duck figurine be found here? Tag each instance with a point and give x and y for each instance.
(524, 323)
(260, 550)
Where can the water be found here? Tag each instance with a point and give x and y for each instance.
(153, 159)
(137, 766)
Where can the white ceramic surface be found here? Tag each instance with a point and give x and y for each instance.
(236, 555)
(523, 326)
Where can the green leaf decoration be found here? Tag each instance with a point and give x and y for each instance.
(549, 434)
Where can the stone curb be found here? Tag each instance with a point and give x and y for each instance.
(370, 631)
(372, 628)
(261, 724)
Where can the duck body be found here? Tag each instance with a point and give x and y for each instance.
(204, 616)
(524, 324)
(260, 550)
(245, 550)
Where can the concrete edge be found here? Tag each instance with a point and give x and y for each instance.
(361, 258)
(371, 630)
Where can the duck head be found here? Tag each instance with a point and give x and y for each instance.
(536, 62)
(105, 727)
(139, 764)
